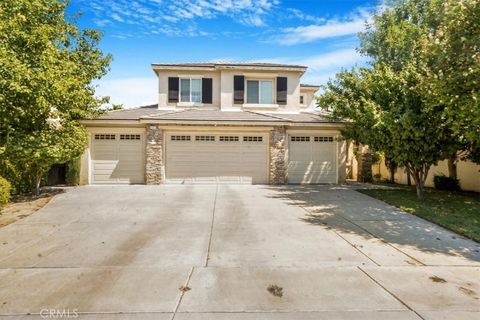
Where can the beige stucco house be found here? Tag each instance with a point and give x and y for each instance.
(218, 123)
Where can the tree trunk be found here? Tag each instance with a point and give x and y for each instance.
(419, 176)
(452, 166)
(392, 174)
(409, 179)
(38, 180)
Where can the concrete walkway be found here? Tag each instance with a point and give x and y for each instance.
(123, 252)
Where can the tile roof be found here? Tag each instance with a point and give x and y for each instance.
(305, 117)
(132, 114)
(197, 115)
(214, 115)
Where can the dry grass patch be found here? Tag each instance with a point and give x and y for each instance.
(23, 206)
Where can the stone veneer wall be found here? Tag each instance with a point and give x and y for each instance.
(278, 167)
(154, 159)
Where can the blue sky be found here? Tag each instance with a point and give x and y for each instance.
(321, 34)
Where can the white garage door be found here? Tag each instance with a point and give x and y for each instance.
(117, 158)
(216, 158)
(312, 159)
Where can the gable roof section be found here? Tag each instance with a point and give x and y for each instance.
(305, 117)
(214, 115)
(151, 113)
(131, 114)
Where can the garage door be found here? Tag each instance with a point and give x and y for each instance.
(216, 158)
(117, 158)
(312, 159)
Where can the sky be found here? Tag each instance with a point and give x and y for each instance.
(321, 34)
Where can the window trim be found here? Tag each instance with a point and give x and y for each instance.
(180, 101)
(259, 91)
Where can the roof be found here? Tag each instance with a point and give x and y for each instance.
(221, 65)
(304, 85)
(151, 113)
(214, 115)
(305, 117)
(130, 114)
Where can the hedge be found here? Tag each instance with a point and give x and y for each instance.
(5, 191)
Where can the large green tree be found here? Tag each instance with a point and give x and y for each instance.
(452, 51)
(47, 65)
(400, 105)
(386, 111)
(441, 38)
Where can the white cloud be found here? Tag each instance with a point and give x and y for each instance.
(333, 59)
(177, 14)
(116, 17)
(323, 66)
(131, 92)
(329, 29)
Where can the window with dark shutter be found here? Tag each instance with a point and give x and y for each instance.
(282, 90)
(238, 89)
(173, 89)
(206, 90)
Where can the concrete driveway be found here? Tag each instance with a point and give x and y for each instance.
(123, 252)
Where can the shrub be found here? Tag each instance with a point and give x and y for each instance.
(5, 190)
(443, 182)
(72, 175)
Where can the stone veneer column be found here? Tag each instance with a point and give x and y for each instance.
(154, 151)
(278, 167)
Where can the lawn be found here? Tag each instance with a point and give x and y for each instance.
(456, 211)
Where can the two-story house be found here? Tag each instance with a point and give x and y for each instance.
(218, 123)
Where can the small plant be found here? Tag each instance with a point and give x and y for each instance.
(5, 190)
(443, 182)
(377, 177)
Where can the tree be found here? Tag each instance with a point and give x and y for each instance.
(401, 105)
(47, 65)
(38, 151)
(392, 167)
(453, 77)
(385, 110)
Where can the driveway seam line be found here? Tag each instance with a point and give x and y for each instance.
(386, 242)
(211, 227)
(355, 247)
(389, 292)
(183, 293)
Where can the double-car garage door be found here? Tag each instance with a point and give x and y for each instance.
(216, 158)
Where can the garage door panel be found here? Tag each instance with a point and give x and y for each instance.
(116, 160)
(216, 161)
(312, 160)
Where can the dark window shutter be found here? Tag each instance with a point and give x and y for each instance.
(282, 90)
(206, 90)
(173, 89)
(238, 89)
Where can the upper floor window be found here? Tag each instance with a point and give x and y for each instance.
(302, 100)
(190, 90)
(260, 91)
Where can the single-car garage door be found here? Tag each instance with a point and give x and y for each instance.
(117, 158)
(216, 158)
(312, 159)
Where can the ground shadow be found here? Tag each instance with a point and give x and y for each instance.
(344, 210)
